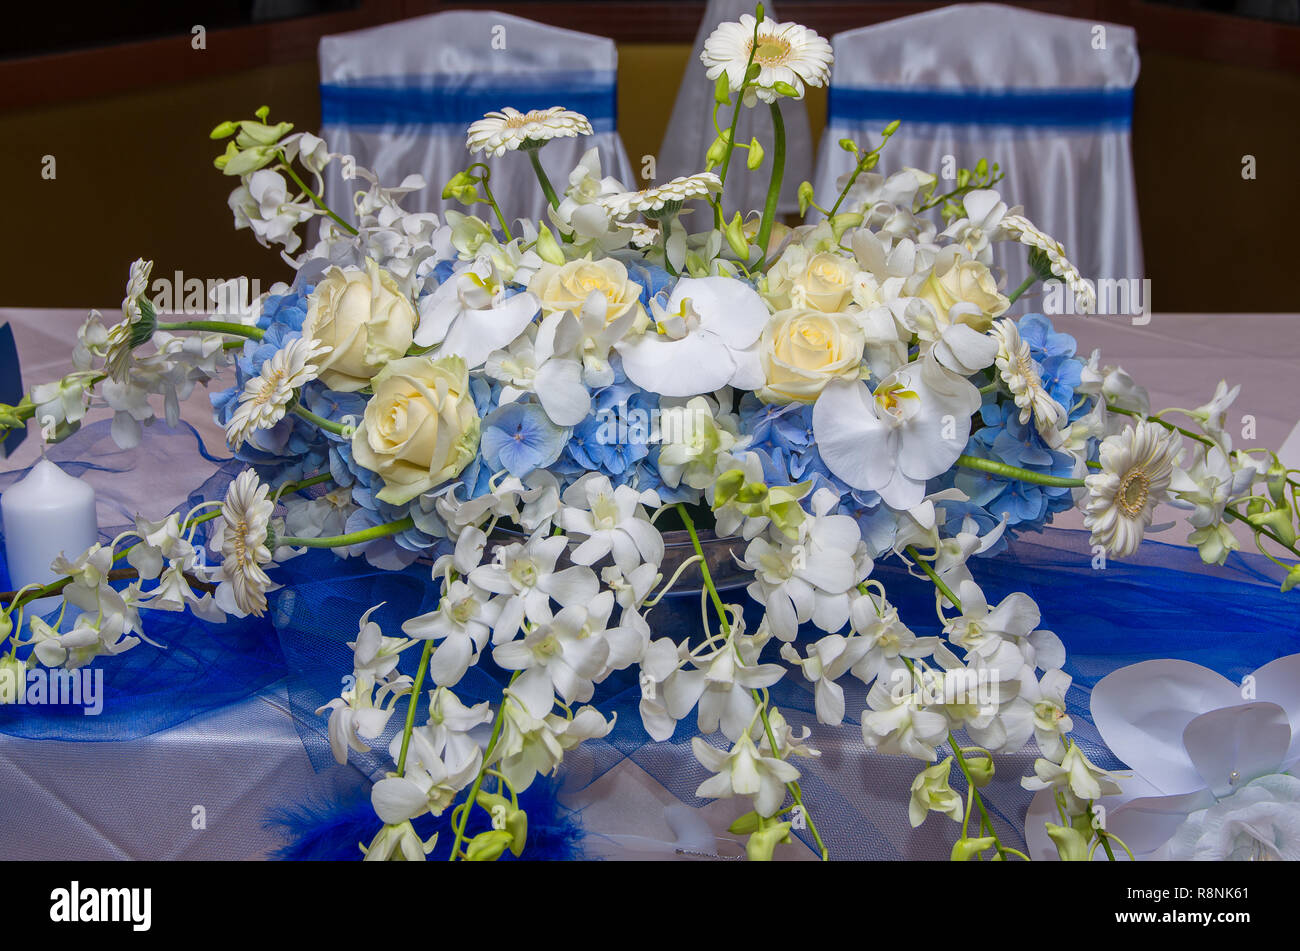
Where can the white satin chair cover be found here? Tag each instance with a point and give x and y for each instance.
(690, 130)
(399, 98)
(1026, 90)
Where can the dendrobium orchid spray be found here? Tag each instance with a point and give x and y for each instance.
(820, 397)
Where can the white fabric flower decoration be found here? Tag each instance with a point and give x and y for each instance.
(705, 340)
(785, 53)
(505, 131)
(1191, 738)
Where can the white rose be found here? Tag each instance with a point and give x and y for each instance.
(421, 427)
(802, 350)
(962, 282)
(823, 281)
(567, 287)
(364, 316)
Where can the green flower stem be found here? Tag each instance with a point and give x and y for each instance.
(735, 123)
(338, 429)
(1015, 472)
(316, 199)
(933, 576)
(665, 229)
(795, 792)
(478, 780)
(1101, 834)
(491, 200)
(774, 186)
(1029, 282)
(848, 186)
(547, 189)
(216, 326)
(985, 822)
(972, 790)
(351, 538)
(1162, 422)
(1237, 516)
(415, 702)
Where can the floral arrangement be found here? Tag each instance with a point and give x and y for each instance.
(529, 406)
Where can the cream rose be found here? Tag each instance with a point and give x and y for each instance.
(567, 287)
(966, 282)
(420, 428)
(363, 315)
(802, 350)
(821, 281)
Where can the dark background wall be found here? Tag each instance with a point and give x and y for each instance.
(134, 175)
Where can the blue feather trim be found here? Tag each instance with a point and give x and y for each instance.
(330, 830)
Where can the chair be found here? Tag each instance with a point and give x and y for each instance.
(1046, 97)
(690, 130)
(399, 98)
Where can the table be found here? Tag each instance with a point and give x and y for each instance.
(117, 800)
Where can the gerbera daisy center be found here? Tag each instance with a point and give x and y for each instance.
(1133, 492)
(771, 50)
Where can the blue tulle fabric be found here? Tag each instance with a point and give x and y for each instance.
(1162, 603)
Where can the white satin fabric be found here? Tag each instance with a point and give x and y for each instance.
(461, 52)
(1075, 182)
(690, 130)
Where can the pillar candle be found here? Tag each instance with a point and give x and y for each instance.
(46, 514)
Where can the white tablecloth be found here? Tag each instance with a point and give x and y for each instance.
(136, 799)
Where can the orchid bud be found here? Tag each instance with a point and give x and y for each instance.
(224, 131)
(1071, 844)
(786, 89)
(13, 678)
(890, 129)
(718, 150)
(1291, 580)
(463, 188)
(722, 90)
(963, 850)
(980, 769)
(735, 235)
(745, 825)
(1279, 521)
(548, 249)
(755, 155)
(848, 145)
(843, 222)
(763, 843)
(805, 197)
(488, 846)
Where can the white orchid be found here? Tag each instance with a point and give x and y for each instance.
(703, 339)
(463, 622)
(828, 660)
(472, 314)
(910, 429)
(743, 771)
(808, 578)
(524, 576)
(609, 521)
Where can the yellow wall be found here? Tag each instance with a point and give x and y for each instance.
(134, 178)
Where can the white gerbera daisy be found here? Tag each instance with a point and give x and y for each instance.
(663, 199)
(266, 396)
(508, 130)
(785, 53)
(241, 535)
(1019, 371)
(1028, 234)
(1136, 468)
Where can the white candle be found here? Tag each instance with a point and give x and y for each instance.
(46, 514)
